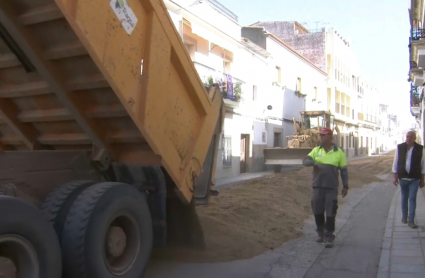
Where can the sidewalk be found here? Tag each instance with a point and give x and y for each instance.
(403, 248)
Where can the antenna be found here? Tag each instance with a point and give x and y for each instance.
(317, 24)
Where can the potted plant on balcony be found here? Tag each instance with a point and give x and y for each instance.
(237, 92)
(208, 83)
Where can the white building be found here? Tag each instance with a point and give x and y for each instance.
(213, 39)
(270, 84)
(329, 51)
(297, 83)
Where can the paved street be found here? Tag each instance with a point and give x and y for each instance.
(361, 226)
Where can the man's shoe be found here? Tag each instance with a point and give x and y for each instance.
(404, 220)
(412, 225)
(329, 243)
(320, 239)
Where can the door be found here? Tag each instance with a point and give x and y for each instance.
(367, 145)
(244, 153)
(356, 146)
(277, 140)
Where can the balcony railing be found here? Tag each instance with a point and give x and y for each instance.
(225, 10)
(418, 34)
(231, 87)
(414, 96)
(371, 119)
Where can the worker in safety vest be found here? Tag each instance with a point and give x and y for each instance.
(326, 160)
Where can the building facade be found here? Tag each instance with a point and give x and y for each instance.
(346, 93)
(417, 65)
(212, 37)
(301, 82)
(268, 73)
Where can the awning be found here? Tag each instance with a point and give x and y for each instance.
(201, 31)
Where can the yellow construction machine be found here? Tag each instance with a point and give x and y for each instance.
(300, 144)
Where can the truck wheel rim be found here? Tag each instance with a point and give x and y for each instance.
(122, 244)
(22, 254)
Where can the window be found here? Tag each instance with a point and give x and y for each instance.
(254, 92)
(227, 67)
(343, 104)
(337, 102)
(191, 50)
(348, 105)
(279, 75)
(227, 151)
(315, 94)
(299, 84)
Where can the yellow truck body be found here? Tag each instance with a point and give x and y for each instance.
(107, 127)
(122, 83)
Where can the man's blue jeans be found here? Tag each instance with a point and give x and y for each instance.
(409, 190)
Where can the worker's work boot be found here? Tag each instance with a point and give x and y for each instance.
(320, 238)
(413, 225)
(329, 243)
(329, 240)
(404, 220)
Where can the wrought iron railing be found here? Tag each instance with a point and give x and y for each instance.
(414, 96)
(418, 34)
(371, 119)
(224, 9)
(231, 87)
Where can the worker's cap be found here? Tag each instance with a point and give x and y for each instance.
(326, 130)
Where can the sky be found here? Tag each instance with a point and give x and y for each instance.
(379, 33)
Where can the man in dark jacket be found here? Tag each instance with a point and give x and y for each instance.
(409, 171)
(326, 160)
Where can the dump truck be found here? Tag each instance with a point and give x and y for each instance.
(300, 144)
(108, 137)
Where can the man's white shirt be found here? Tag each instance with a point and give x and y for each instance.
(408, 160)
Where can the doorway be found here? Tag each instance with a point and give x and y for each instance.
(277, 139)
(244, 153)
(367, 145)
(356, 146)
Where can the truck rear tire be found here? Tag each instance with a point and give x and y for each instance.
(57, 203)
(28, 240)
(108, 233)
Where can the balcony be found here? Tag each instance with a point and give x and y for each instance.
(417, 51)
(223, 9)
(418, 76)
(371, 119)
(230, 87)
(418, 34)
(414, 100)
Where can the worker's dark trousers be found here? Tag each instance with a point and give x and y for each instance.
(325, 202)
